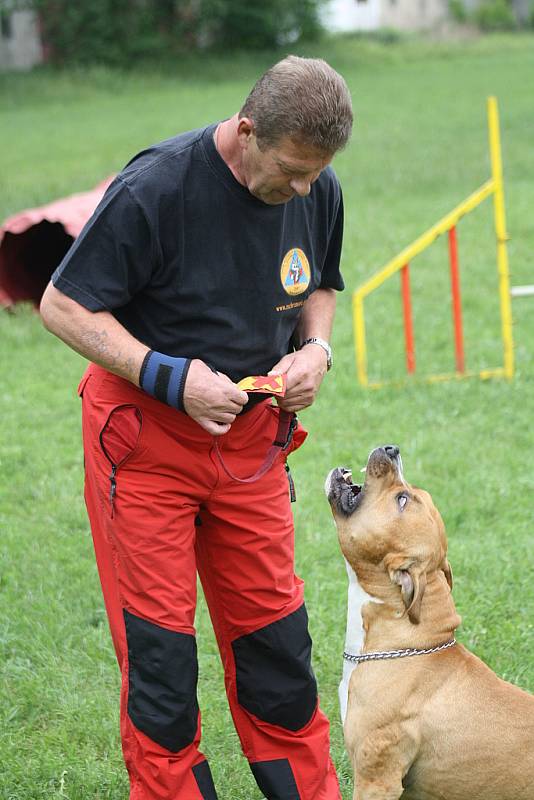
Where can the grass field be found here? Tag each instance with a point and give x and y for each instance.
(420, 146)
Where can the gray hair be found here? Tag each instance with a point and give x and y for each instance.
(303, 98)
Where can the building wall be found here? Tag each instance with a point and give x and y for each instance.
(20, 43)
(522, 9)
(369, 15)
(410, 15)
(351, 15)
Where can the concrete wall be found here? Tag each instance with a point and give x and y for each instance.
(412, 15)
(522, 9)
(351, 15)
(369, 15)
(20, 43)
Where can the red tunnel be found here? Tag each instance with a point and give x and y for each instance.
(33, 243)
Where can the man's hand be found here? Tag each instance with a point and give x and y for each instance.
(211, 399)
(305, 370)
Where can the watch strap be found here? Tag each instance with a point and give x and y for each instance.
(324, 344)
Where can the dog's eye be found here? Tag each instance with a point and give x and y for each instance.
(402, 499)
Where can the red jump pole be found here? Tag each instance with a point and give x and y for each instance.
(408, 325)
(456, 302)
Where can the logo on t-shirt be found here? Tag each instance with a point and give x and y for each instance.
(295, 271)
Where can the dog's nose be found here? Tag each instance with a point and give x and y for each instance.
(392, 450)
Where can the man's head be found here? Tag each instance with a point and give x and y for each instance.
(297, 116)
(302, 99)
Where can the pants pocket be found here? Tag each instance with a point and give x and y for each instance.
(119, 439)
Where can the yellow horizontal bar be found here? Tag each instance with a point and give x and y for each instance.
(485, 374)
(427, 238)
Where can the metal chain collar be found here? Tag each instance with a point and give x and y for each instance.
(410, 651)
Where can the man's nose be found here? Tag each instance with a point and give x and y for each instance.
(301, 186)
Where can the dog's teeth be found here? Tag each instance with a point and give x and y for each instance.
(347, 476)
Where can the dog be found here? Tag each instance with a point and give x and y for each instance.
(425, 718)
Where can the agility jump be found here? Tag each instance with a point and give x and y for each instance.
(401, 263)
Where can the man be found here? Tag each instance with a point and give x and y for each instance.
(213, 256)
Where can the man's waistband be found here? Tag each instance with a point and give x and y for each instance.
(111, 388)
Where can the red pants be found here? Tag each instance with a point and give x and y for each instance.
(161, 508)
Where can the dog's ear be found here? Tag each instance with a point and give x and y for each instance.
(446, 568)
(411, 577)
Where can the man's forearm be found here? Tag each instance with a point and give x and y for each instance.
(317, 315)
(97, 336)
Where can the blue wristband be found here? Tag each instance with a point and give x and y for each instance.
(164, 377)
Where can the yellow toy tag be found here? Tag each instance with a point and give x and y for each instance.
(268, 384)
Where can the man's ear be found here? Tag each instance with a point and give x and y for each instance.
(446, 568)
(411, 577)
(245, 130)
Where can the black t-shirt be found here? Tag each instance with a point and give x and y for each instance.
(193, 265)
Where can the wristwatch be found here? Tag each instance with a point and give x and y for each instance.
(326, 347)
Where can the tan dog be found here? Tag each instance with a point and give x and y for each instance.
(425, 726)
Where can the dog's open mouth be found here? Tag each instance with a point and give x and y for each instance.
(346, 474)
(342, 493)
(344, 496)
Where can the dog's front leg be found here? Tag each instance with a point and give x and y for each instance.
(379, 790)
(380, 762)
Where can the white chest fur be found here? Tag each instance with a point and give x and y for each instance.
(355, 634)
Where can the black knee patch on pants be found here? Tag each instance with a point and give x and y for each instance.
(275, 779)
(204, 781)
(275, 681)
(162, 687)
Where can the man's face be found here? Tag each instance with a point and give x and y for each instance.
(276, 174)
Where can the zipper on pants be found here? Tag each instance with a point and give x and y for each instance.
(118, 440)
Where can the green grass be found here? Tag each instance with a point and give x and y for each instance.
(420, 146)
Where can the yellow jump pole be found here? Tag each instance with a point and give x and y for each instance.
(359, 335)
(502, 237)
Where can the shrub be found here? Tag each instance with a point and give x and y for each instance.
(494, 15)
(105, 31)
(458, 11)
(120, 32)
(253, 24)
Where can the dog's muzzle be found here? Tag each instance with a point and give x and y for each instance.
(384, 460)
